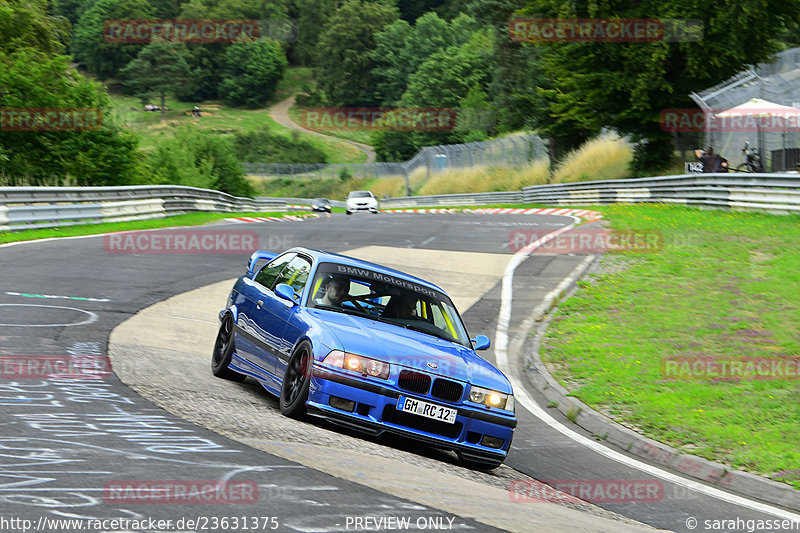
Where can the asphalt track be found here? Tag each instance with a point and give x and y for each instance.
(66, 440)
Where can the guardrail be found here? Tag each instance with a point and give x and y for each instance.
(775, 193)
(48, 207)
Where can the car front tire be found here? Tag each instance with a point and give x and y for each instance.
(223, 350)
(294, 389)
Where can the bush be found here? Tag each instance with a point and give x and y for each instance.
(263, 146)
(198, 159)
(309, 97)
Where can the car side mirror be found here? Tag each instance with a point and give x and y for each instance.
(257, 256)
(286, 292)
(481, 342)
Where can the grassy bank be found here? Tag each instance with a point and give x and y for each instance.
(299, 117)
(224, 120)
(726, 287)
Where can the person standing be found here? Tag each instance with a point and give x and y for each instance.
(711, 161)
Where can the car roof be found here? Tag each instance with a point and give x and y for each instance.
(325, 256)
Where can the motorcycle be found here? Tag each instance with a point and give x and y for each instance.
(752, 160)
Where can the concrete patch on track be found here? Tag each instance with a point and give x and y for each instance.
(163, 353)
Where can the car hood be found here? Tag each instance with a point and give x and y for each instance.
(411, 349)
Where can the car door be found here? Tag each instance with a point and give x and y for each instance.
(273, 313)
(250, 341)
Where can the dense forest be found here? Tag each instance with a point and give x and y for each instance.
(459, 54)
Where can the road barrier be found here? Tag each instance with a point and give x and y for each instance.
(774, 193)
(48, 207)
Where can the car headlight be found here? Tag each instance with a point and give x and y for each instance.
(491, 398)
(357, 363)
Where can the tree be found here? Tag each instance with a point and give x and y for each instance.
(160, 68)
(33, 74)
(400, 49)
(207, 61)
(520, 84)
(251, 72)
(269, 10)
(627, 85)
(32, 27)
(69, 9)
(312, 17)
(345, 66)
(89, 43)
(392, 64)
(447, 76)
(450, 78)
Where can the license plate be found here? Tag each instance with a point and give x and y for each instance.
(428, 410)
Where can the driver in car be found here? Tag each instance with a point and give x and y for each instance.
(336, 291)
(401, 306)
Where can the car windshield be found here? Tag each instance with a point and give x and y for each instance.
(387, 298)
(360, 194)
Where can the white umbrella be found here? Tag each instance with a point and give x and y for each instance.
(759, 109)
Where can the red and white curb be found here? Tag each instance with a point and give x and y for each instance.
(289, 218)
(585, 214)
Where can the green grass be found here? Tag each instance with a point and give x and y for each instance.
(190, 219)
(294, 80)
(306, 79)
(360, 136)
(726, 285)
(218, 118)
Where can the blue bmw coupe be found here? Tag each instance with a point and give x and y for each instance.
(367, 347)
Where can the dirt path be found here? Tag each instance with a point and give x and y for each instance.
(280, 114)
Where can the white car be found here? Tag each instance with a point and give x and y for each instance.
(361, 201)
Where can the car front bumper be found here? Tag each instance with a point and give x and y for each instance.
(371, 209)
(374, 411)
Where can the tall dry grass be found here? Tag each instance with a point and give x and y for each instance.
(396, 186)
(605, 157)
(485, 179)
